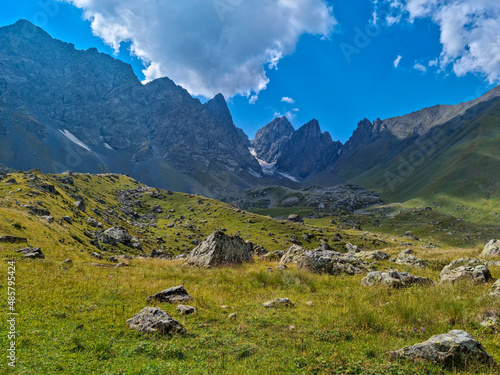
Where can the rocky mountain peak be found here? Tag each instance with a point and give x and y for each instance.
(218, 107)
(269, 140)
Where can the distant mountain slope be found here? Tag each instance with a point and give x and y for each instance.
(61, 108)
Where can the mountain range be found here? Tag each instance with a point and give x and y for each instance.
(62, 108)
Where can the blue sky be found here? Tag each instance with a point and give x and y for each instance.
(339, 71)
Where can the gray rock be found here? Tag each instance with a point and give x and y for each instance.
(13, 239)
(293, 254)
(92, 222)
(232, 316)
(454, 349)
(272, 256)
(50, 219)
(171, 295)
(32, 252)
(405, 257)
(334, 263)
(118, 234)
(281, 267)
(353, 249)
(181, 256)
(295, 219)
(154, 320)
(219, 249)
(67, 219)
(492, 249)
(373, 255)
(80, 205)
(466, 269)
(185, 310)
(495, 290)
(67, 261)
(112, 259)
(278, 302)
(157, 209)
(394, 279)
(96, 255)
(121, 264)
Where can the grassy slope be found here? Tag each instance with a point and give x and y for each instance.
(347, 329)
(460, 175)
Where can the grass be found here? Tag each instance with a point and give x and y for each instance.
(73, 321)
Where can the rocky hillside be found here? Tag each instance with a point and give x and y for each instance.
(61, 108)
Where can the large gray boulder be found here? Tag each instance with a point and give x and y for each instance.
(466, 269)
(293, 254)
(154, 319)
(219, 249)
(492, 249)
(325, 261)
(394, 279)
(454, 349)
(175, 294)
(116, 234)
(32, 253)
(405, 257)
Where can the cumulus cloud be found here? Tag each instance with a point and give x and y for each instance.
(287, 99)
(209, 46)
(420, 67)
(290, 114)
(397, 61)
(469, 31)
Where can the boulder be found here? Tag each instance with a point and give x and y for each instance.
(454, 349)
(272, 256)
(405, 257)
(281, 267)
(492, 249)
(295, 219)
(116, 234)
(67, 219)
(293, 254)
(495, 290)
(96, 255)
(352, 249)
(394, 279)
(322, 261)
(466, 269)
(32, 252)
(13, 239)
(154, 319)
(219, 249)
(50, 219)
(373, 255)
(80, 205)
(185, 310)
(171, 295)
(278, 302)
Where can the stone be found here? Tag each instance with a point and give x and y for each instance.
(394, 279)
(295, 219)
(319, 261)
(232, 316)
(281, 267)
(373, 255)
(154, 320)
(293, 254)
(80, 205)
(219, 249)
(272, 256)
(406, 258)
(116, 234)
(67, 219)
(121, 264)
(32, 252)
(466, 269)
(96, 255)
(185, 309)
(13, 239)
(278, 302)
(157, 209)
(495, 290)
(492, 249)
(171, 295)
(67, 261)
(50, 219)
(352, 248)
(454, 349)
(112, 259)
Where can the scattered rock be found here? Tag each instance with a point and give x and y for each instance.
(13, 239)
(32, 252)
(232, 316)
(489, 322)
(466, 269)
(394, 279)
(353, 249)
(405, 257)
(121, 264)
(80, 205)
(295, 219)
(272, 256)
(495, 290)
(154, 319)
(171, 295)
(293, 254)
(331, 262)
(67, 219)
(492, 249)
(219, 249)
(67, 261)
(454, 349)
(157, 209)
(373, 255)
(50, 219)
(281, 267)
(185, 310)
(278, 302)
(181, 256)
(116, 234)
(96, 255)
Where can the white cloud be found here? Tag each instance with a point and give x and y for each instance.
(420, 67)
(287, 99)
(397, 61)
(209, 46)
(290, 114)
(253, 99)
(469, 32)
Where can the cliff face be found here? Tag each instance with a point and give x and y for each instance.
(269, 140)
(61, 108)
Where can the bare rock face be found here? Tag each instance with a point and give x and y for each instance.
(394, 279)
(269, 140)
(293, 254)
(171, 295)
(219, 249)
(454, 349)
(325, 261)
(373, 255)
(492, 249)
(154, 319)
(32, 253)
(466, 269)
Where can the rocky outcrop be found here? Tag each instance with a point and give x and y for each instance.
(32, 253)
(394, 279)
(268, 142)
(492, 249)
(293, 254)
(495, 290)
(406, 257)
(373, 255)
(454, 349)
(324, 261)
(219, 249)
(154, 320)
(466, 269)
(175, 294)
(13, 239)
